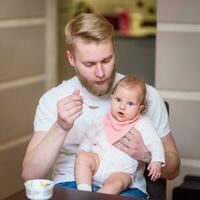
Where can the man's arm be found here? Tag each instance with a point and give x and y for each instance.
(44, 147)
(172, 159)
(133, 145)
(41, 152)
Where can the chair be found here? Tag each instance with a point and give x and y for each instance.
(157, 189)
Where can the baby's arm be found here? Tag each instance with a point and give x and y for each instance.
(155, 146)
(154, 169)
(151, 140)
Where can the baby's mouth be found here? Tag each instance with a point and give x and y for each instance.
(121, 114)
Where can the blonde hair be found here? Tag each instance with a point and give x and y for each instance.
(88, 27)
(131, 81)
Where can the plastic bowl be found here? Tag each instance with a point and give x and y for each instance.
(39, 189)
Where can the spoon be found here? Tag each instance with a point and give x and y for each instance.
(89, 106)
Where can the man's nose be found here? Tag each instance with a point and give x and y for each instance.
(100, 71)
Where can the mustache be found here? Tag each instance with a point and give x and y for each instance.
(95, 89)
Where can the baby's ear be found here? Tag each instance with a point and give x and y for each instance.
(142, 108)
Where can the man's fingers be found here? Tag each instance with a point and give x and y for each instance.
(126, 142)
(69, 119)
(68, 112)
(76, 92)
(69, 108)
(69, 102)
(134, 136)
(73, 117)
(129, 136)
(122, 147)
(134, 131)
(75, 96)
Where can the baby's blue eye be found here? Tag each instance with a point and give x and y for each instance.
(118, 99)
(130, 103)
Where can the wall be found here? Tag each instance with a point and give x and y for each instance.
(177, 77)
(65, 12)
(134, 46)
(113, 6)
(130, 54)
(28, 59)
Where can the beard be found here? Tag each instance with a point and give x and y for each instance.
(97, 90)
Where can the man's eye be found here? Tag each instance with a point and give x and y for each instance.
(89, 64)
(130, 103)
(106, 60)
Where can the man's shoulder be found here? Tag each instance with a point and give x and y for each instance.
(153, 95)
(151, 90)
(118, 76)
(144, 120)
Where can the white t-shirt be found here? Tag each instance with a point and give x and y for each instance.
(112, 159)
(46, 115)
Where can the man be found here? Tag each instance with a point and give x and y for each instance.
(62, 116)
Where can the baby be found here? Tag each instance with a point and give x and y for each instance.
(98, 161)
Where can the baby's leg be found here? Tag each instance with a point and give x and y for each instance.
(86, 164)
(116, 183)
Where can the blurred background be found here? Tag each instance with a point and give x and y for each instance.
(157, 39)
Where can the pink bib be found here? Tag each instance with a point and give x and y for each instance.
(115, 129)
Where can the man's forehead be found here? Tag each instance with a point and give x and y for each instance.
(93, 52)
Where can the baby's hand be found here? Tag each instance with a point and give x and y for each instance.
(154, 169)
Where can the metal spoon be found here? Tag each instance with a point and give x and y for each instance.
(89, 106)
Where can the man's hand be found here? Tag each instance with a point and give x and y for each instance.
(154, 169)
(132, 144)
(69, 109)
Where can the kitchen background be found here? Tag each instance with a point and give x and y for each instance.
(32, 59)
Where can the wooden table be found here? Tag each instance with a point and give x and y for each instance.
(66, 194)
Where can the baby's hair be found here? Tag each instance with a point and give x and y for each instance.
(131, 81)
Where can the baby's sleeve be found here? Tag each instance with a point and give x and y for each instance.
(151, 140)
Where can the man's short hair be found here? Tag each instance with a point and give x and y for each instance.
(88, 27)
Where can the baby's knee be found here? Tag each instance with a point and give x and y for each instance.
(114, 183)
(82, 156)
(120, 181)
(89, 159)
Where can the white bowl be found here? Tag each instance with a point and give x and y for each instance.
(39, 189)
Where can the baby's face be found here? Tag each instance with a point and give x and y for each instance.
(126, 103)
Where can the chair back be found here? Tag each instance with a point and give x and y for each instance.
(157, 189)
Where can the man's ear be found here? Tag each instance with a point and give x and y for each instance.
(70, 58)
